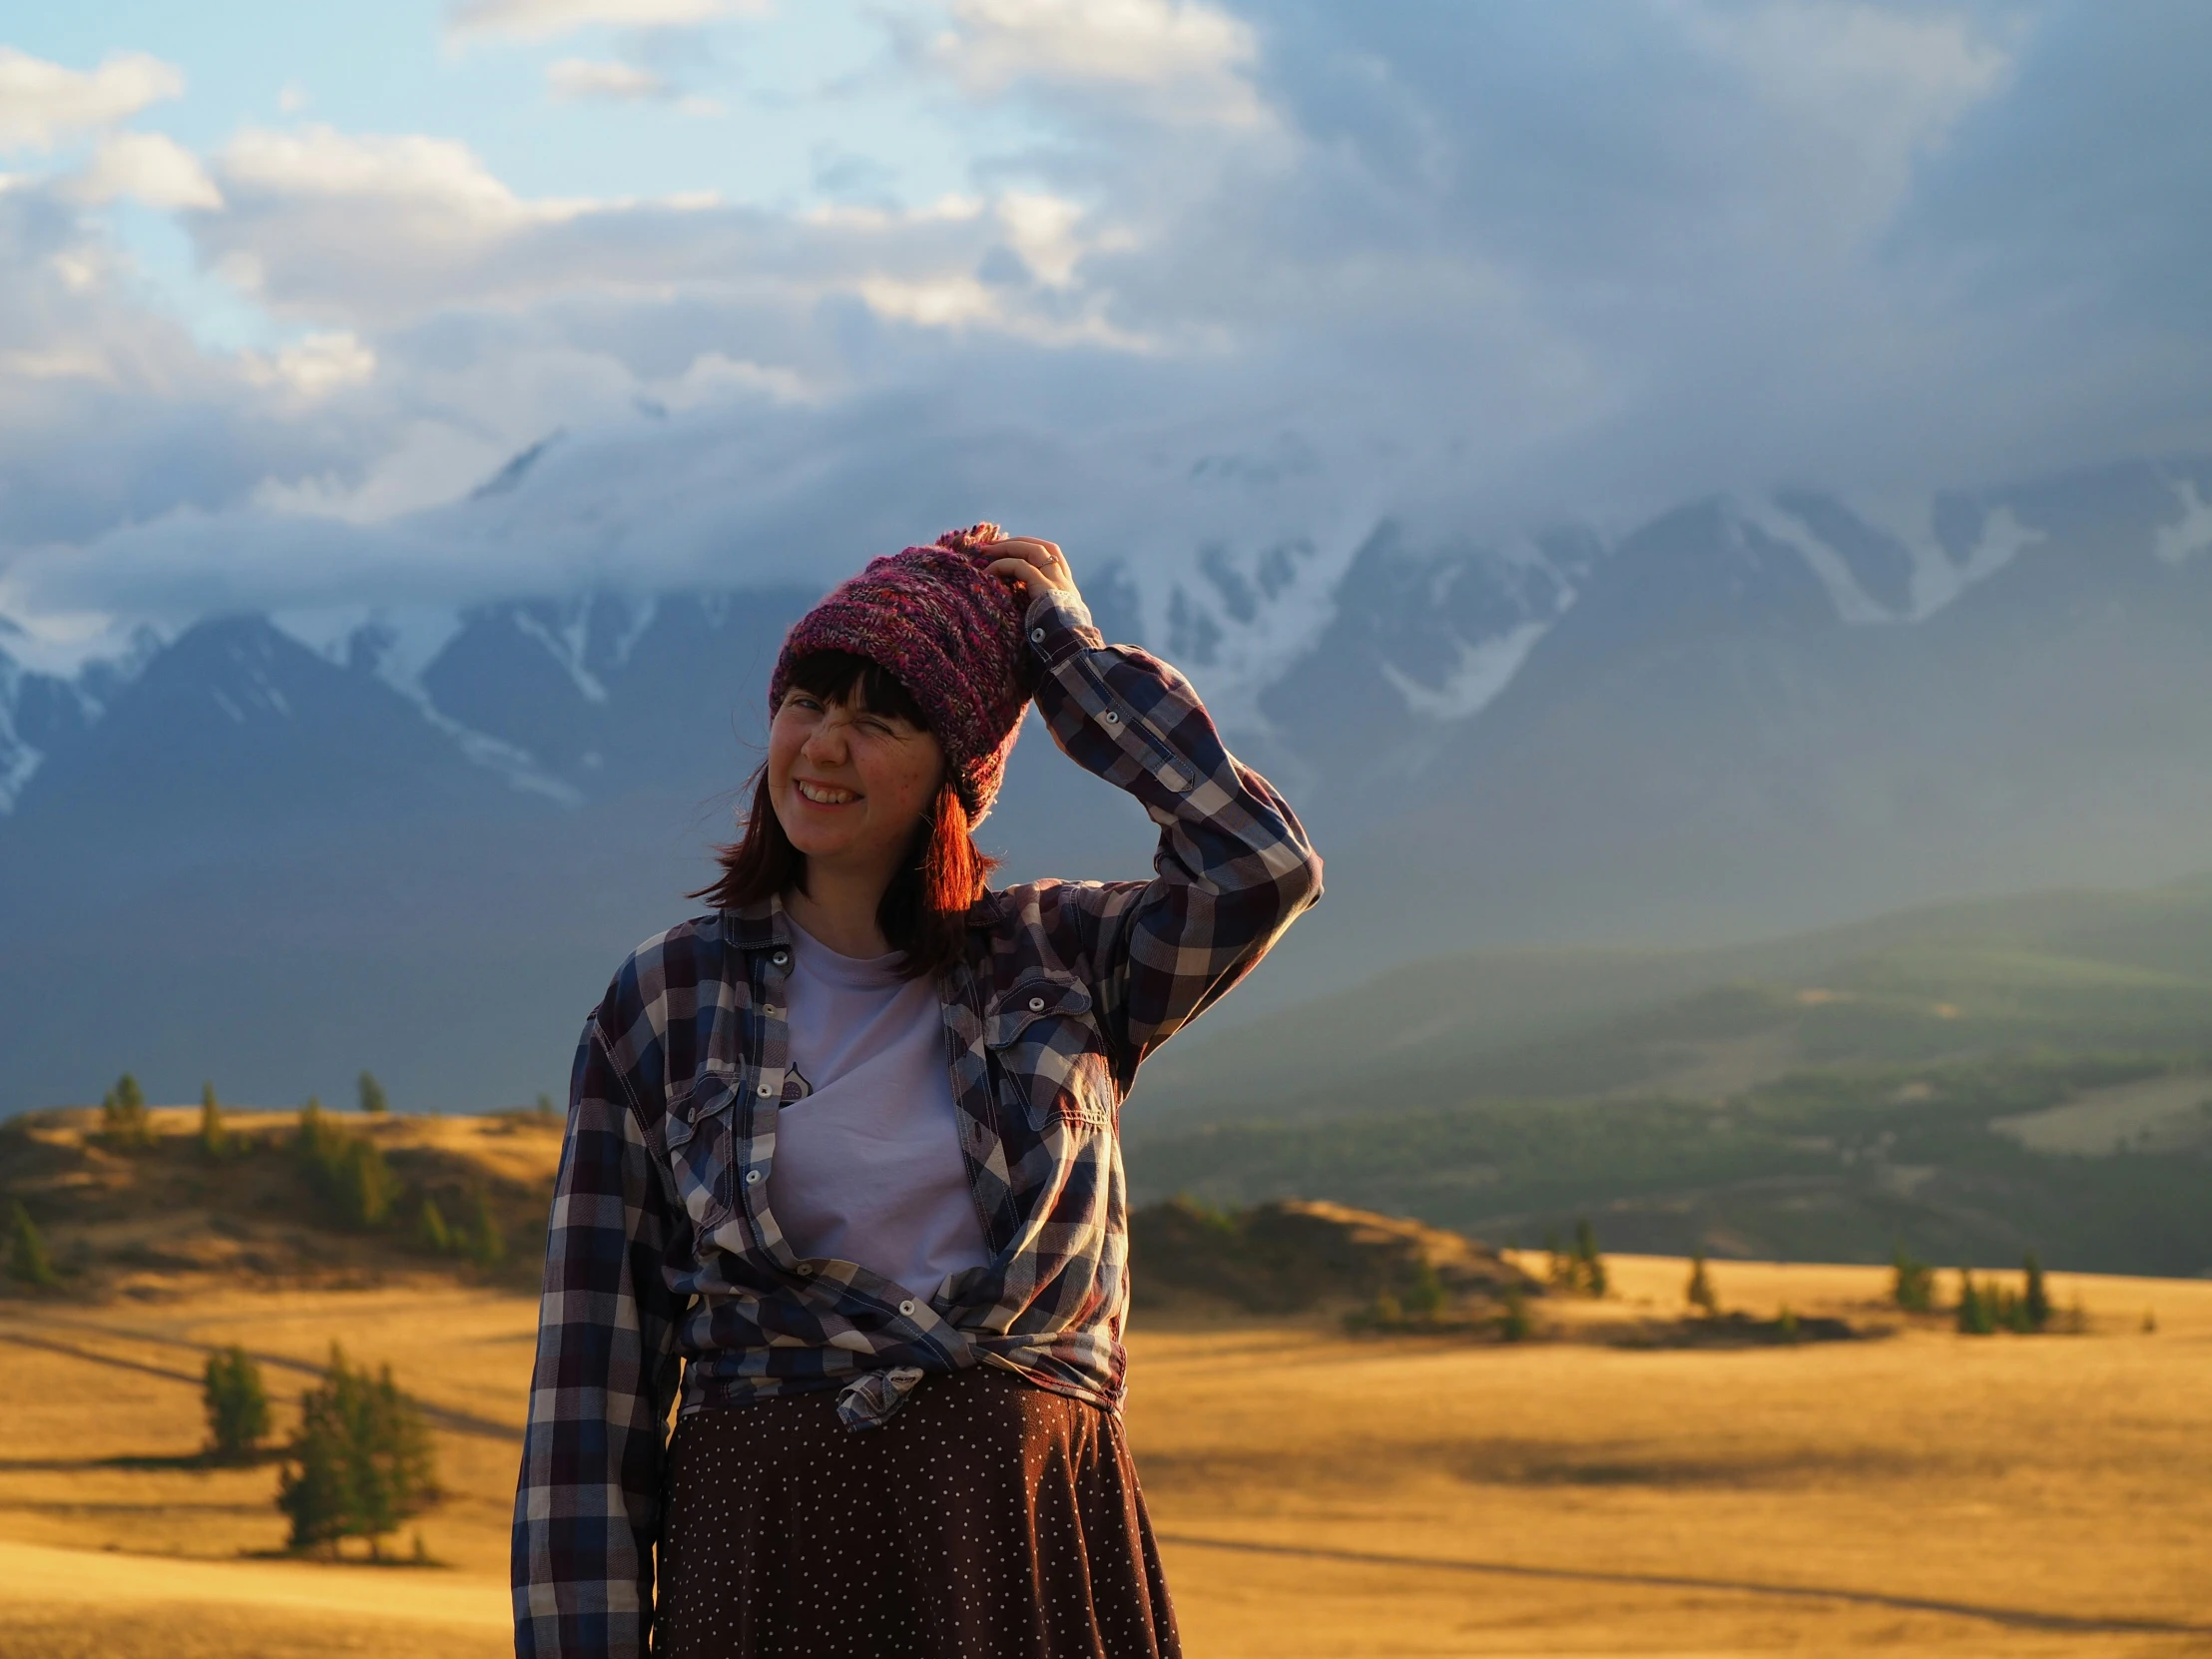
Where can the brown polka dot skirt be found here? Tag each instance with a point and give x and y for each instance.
(987, 1520)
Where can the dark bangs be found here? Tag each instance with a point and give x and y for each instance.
(846, 678)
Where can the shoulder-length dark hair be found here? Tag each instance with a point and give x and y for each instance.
(923, 912)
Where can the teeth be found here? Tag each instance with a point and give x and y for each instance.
(823, 796)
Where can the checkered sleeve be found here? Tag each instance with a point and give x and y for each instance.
(587, 1505)
(1234, 866)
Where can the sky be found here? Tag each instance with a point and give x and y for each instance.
(759, 289)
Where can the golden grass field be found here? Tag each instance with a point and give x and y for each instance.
(1316, 1494)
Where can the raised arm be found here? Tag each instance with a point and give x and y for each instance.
(587, 1505)
(1234, 866)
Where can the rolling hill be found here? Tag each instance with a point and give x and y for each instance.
(1970, 1081)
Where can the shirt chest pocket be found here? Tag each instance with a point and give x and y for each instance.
(702, 1134)
(1050, 1054)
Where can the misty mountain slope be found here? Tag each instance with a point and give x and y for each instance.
(1967, 1081)
(1747, 718)
(1702, 748)
(2071, 971)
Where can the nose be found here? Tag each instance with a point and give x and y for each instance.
(825, 743)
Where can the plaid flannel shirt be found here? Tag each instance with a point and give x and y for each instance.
(662, 1257)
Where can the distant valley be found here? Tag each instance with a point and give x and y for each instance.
(1967, 1081)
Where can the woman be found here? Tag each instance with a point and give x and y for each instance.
(844, 1155)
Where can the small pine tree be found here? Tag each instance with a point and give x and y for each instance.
(1912, 1284)
(1785, 1323)
(348, 1171)
(432, 1233)
(1700, 1293)
(237, 1405)
(365, 1186)
(1559, 1266)
(360, 1464)
(1589, 1266)
(545, 1105)
(214, 1140)
(1976, 1308)
(122, 1120)
(373, 1096)
(316, 1492)
(487, 1241)
(2036, 1299)
(1514, 1323)
(28, 1263)
(1425, 1297)
(2150, 1322)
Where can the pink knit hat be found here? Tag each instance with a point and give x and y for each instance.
(948, 631)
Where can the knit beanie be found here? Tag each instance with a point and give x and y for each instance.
(947, 630)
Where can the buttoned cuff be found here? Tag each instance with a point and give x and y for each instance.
(1058, 625)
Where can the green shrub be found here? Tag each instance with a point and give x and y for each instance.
(237, 1405)
(348, 1171)
(432, 1233)
(1977, 1308)
(214, 1140)
(1425, 1297)
(1911, 1282)
(1582, 1270)
(1514, 1323)
(360, 1464)
(373, 1096)
(123, 1119)
(487, 1241)
(1700, 1292)
(2035, 1298)
(28, 1263)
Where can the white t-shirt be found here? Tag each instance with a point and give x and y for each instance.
(868, 1165)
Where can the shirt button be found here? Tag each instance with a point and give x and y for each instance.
(1036, 1005)
(764, 1091)
(905, 1309)
(753, 1178)
(806, 1269)
(1110, 717)
(1037, 634)
(780, 957)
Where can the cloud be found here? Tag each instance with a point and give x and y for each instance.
(314, 365)
(1184, 61)
(550, 19)
(1245, 275)
(574, 80)
(110, 411)
(148, 168)
(43, 104)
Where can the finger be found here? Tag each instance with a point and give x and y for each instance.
(1026, 573)
(1040, 554)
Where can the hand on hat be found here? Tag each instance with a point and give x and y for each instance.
(1032, 565)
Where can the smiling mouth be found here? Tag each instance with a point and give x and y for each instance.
(822, 795)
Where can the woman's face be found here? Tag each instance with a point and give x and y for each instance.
(848, 785)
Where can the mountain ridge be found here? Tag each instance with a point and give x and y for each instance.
(1742, 719)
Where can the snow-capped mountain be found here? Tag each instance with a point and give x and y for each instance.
(274, 849)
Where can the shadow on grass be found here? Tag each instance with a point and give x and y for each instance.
(2019, 1618)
